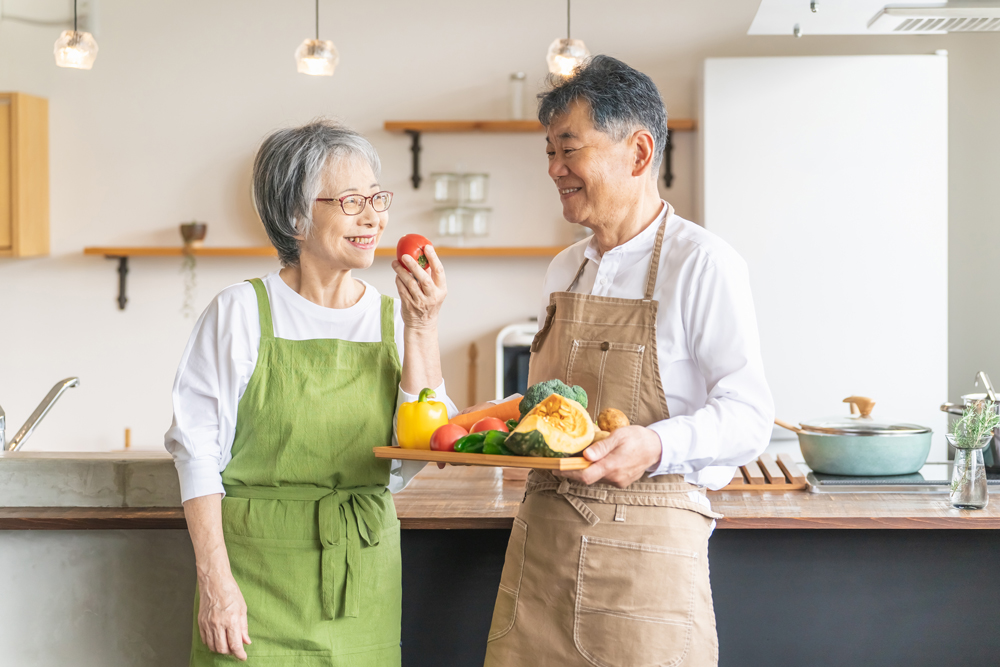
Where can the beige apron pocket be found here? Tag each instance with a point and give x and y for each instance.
(610, 372)
(505, 610)
(634, 603)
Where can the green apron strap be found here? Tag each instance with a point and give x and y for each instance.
(263, 309)
(388, 320)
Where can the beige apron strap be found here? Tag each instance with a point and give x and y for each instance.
(576, 279)
(574, 500)
(654, 261)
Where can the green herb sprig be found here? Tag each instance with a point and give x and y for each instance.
(978, 419)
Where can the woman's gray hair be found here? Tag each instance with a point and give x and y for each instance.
(287, 178)
(621, 99)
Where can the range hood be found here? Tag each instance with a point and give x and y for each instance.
(874, 17)
(937, 19)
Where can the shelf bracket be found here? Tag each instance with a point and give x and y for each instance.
(122, 272)
(415, 149)
(668, 161)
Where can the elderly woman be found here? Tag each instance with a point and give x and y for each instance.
(285, 386)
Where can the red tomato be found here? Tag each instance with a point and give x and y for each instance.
(443, 439)
(489, 424)
(412, 245)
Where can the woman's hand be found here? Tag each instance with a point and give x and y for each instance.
(421, 291)
(222, 615)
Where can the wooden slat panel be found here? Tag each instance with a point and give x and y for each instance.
(792, 471)
(268, 251)
(535, 462)
(771, 469)
(753, 473)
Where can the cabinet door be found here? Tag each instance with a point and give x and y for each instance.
(5, 177)
(829, 175)
(24, 175)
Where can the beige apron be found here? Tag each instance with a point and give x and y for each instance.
(597, 575)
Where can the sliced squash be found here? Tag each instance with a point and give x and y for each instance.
(558, 426)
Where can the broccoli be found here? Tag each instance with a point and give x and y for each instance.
(539, 392)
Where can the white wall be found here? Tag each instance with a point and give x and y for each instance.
(164, 127)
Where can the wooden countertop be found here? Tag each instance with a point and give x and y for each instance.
(471, 497)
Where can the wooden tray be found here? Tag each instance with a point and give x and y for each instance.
(766, 474)
(495, 460)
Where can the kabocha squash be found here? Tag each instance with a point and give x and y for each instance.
(558, 427)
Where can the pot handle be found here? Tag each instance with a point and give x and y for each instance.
(863, 404)
(952, 409)
(791, 427)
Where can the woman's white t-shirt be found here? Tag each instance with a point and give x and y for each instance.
(220, 358)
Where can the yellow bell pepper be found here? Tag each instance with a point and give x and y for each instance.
(417, 421)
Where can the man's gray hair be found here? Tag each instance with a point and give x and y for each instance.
(287, 177)
(621, 100)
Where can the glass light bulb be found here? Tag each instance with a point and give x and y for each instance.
(565, 55)
(316, 57)
(75, 49)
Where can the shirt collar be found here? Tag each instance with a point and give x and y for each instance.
(638, 243)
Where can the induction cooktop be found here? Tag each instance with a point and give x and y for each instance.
(932, 478)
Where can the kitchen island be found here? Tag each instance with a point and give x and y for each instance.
(798, 578)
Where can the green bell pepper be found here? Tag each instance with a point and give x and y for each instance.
(494, 444)
(471, 444)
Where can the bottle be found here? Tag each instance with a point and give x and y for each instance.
(517, 95)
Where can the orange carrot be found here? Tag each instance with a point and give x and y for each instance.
(502, 411)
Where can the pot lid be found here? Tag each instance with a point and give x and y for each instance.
(861, 424)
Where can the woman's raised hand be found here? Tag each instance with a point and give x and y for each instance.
(222, 615)
(422, 291)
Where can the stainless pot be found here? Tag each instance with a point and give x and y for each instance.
(991, 453)
(859, 445)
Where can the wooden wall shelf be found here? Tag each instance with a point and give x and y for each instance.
(415, 128)
(122, 254)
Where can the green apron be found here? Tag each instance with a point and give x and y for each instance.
(310, 527)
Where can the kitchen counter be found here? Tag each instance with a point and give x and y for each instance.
(798, 578)
(139, 490)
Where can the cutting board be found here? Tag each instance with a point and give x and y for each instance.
(768, 474)
(536, 462)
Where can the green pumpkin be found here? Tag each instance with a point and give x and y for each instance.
(556, 427)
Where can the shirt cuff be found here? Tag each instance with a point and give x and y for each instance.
(199, 477)
(675, 436)
(440, 394)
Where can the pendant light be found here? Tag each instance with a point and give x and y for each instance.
(74, 48)
(317, 57)
(565, 55)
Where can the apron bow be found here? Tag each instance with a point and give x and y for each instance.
(337, 510)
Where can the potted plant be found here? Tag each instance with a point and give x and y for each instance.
(193, 234)
(969, 435)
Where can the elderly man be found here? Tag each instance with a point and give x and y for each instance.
(652, 315)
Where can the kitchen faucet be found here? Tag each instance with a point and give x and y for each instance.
(36, 416)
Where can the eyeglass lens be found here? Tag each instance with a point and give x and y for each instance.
(354, 204)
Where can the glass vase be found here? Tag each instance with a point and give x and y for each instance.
(968, 477)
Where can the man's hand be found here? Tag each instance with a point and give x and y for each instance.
(619, 459)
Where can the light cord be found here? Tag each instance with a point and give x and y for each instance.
(317, 20)
(567, 19)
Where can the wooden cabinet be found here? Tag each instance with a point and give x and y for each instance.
(24, 175)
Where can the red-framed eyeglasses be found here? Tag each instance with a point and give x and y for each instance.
(355, 204)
